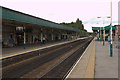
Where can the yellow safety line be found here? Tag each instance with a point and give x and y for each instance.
(91, 64)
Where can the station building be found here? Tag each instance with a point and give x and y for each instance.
(27, 29)
(118, 32)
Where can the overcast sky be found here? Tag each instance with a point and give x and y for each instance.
(67, 10)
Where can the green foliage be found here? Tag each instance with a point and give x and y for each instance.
(78, 25)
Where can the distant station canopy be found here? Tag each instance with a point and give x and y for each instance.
(102, 28)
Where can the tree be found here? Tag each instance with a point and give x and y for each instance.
(82, 27)
(78, 24)
(85, 30)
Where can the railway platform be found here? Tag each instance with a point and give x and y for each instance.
(106, 66)
(96, 62)
(9, 52)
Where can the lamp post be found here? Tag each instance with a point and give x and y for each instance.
(100, 33)
(104, 33)
(111, 49)
(100, 30)
(103, 29)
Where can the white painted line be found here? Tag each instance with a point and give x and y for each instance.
(43, 48)
(79, 60)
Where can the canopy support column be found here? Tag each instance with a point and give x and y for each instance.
(24, 38)
(41, 35)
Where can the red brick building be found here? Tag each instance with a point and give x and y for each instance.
(118, 32)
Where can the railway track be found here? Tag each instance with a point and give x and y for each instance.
(61, 70)
(51, 63)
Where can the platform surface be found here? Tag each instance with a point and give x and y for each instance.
(106, 66)
(84, 68)
(96, 62)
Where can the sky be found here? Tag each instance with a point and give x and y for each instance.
(68, 10)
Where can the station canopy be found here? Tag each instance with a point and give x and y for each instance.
(102, 28)
(26, 18)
